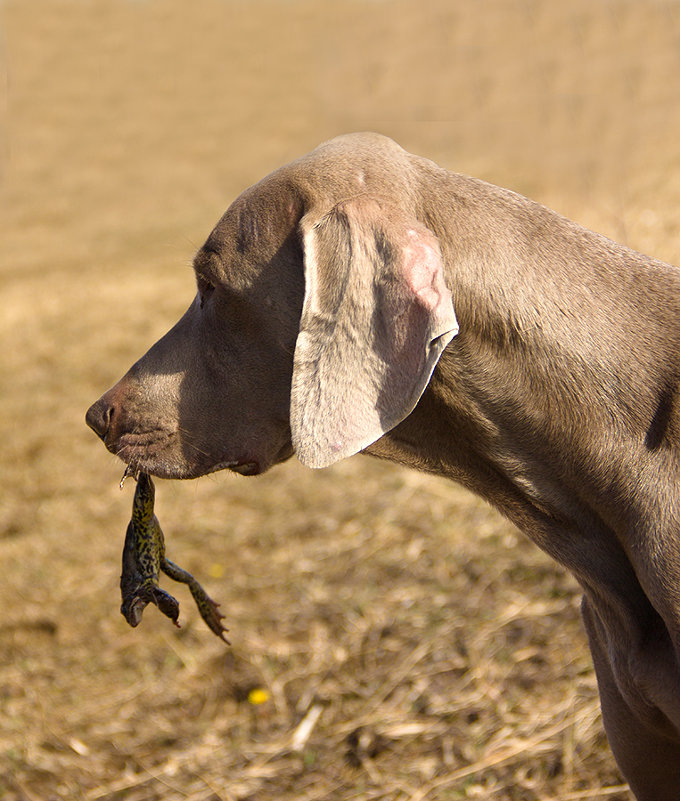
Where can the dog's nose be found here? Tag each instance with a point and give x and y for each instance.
(99, 417)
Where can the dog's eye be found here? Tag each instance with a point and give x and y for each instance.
(205, 290)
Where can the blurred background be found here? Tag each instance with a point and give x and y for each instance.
(392, 637)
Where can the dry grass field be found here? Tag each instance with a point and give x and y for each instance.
(408, 643)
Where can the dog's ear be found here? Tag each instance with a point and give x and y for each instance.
(375, 319)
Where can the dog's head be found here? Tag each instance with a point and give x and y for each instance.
(320, 314)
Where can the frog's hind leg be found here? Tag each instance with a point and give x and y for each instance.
(168, 605)
(206, 606)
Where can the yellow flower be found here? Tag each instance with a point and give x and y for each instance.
(216, 570)
(258, 696)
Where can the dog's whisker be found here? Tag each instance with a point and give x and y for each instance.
(129, 471)
(187, 441)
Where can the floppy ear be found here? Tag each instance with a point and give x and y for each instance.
(375, 319)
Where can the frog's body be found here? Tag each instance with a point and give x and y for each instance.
(143, 561)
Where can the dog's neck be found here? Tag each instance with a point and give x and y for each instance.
(550, 394)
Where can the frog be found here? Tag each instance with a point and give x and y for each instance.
(144, 560)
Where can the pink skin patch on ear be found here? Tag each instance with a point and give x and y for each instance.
(422, 267)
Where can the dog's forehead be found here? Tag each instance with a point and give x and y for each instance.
(263, 221)
(253, 229)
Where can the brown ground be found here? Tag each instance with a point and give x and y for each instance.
(439, 653)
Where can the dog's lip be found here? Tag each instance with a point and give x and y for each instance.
(140, 451)
(223, 466)
(244, 468)
(163, 470)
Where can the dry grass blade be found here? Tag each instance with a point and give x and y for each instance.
(600, 792)
(304, 729)
(492, 760)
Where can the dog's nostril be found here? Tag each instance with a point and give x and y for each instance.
(99, 417)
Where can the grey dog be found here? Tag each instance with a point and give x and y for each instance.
(365, 299)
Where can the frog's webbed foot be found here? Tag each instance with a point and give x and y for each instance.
(208, 609)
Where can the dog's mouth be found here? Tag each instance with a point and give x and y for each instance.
(163, 455)
(242, 468)
(161, 468)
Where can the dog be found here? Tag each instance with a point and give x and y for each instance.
(364, 299)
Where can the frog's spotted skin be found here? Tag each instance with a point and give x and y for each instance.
(143, 561)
